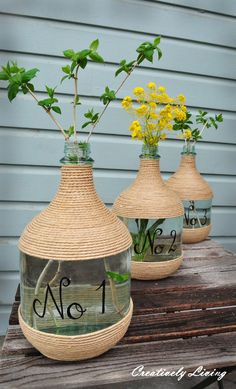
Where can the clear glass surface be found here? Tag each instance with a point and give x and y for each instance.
(197, 214)
(74, 297)
(155, 240)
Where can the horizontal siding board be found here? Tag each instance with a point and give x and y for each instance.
(9, 255)
(8, 285)
(210, 92)
(13, 219)
(225, 7)
(116, 121)
(39, 184)
(149, 17)
(195, 57)
(4, 315)
(46, 149)
(228, 242)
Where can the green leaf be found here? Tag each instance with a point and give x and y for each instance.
(84, 53)
(56, 109)
(86, 124)
(83, 63)
(29, 75)
(96, 57)
(70, 131)
(3, 76)
(30, 86)
(63, 78)
(117, 276)
(159, 53)
(69, 53)
(157, 40)
(94, 45)
(50, 91)
(13, 89)
(47, 102)
(66, 69)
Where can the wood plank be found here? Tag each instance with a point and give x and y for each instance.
(145, 328)
(15, 117)
(213, 352)
(195, 57)
(110, 13)
(39, 184)
(18, 147)
(228, 7)
(219, 93)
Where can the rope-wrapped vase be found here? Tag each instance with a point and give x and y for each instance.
(154, 215)
(75, 269)
(196, 195)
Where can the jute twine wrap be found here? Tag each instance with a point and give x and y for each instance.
(187, 181)
(79, 347)
(148, 197)
(194, 235)
(155, 270)
(76, 225)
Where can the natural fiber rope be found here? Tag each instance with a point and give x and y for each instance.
(148, 197)
(76, 225)
(78, 347)
(194, 235)
(187, 181)
(154, 270)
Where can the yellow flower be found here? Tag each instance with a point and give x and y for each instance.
(142, 110)
(134, 125)
(152, 105)
(152, 86)
(169, 126)
(138, 91)
(181, 98)
(163, 136)
(184, 108)
(153, 115)
(162, 89)
(187, 134)
(180, 115)
(151, 126)
(153, 96)
(126, 102)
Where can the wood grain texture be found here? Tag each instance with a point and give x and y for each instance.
(186, 320)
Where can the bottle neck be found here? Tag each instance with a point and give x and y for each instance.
(149, 152)
(76, 154)
(188, 149)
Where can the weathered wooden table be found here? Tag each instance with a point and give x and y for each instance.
(186, 320)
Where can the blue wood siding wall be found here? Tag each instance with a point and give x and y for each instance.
(199, 46)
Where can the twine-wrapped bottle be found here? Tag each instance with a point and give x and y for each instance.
(75, 269)
(154, 215)
(196, 195)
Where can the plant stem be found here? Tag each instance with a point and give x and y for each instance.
(75, 102)
(203, 128)
(49, 113)
(113, 290)
(106, 106)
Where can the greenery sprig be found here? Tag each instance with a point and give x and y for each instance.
(20, 80)
(190, 132)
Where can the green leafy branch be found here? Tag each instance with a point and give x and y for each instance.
(145, 51)
(19, 78)
(201, 118)
(79, 60)
(119, 278)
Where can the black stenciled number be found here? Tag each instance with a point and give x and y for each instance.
(63, 282)
(103, 286)
(173, 234)
(204, 217)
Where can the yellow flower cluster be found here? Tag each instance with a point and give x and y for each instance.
(154, 112)
(187, 134)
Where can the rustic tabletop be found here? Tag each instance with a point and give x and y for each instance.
(186, 321)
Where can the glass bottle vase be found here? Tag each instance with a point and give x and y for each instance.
(75, 269)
